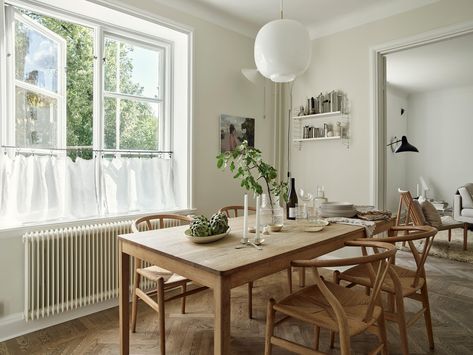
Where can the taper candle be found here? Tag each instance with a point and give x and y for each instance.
(257, 237)
(244, 239)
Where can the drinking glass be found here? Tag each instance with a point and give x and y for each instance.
(312, 214)
(301, 214)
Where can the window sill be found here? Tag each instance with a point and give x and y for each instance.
(14, 231)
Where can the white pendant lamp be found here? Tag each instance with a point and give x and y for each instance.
(282, 50)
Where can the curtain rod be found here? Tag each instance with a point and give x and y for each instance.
(124, 151)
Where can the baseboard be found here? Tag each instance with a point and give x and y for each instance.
(15, 325)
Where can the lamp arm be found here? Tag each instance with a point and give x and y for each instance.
(399, 140)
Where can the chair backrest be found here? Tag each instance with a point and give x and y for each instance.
(378, 264)
(159, 221)
(232, 211)
(409, 235)
(406, 203)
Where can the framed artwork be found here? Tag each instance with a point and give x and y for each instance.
(234, 130)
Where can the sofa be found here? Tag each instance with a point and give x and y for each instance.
(463, 204)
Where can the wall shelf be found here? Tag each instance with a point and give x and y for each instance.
(316, 139)
(322, 115)
(318, 121)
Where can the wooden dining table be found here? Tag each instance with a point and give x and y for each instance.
(221, 267)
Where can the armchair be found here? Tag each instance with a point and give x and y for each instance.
(463, 204)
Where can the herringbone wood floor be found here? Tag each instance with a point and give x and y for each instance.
(451, 296)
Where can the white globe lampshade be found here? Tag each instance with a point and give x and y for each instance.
(282, 50)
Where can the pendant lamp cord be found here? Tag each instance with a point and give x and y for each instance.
(281, 9)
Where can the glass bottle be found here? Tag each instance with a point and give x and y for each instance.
(292, 201)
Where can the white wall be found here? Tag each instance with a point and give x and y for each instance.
(396, 126)
(440, 125)
(341, 61)
(219, 87)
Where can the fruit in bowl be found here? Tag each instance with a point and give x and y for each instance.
(201, 226)
(219, 223)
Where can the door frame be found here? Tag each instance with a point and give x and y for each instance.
(377, 64)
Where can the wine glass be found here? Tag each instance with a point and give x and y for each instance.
(305, 196)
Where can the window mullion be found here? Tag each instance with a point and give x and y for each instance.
(9, 124)
(117, 101)
(132, 97)
(37, 89)
(98, 113)
(3, 73)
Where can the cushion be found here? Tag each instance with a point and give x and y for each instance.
(432, 216)
(467, 212)
(467, 200)
(418, 210)
(469, 187)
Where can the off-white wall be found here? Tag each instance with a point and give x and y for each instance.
(396, 126)
(341, 61)
(441, 126)
(219, 87)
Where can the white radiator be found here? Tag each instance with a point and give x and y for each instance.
(73, 267)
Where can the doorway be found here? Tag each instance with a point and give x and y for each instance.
(382, 194)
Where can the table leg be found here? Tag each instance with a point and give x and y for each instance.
(222, 317)
(124, 282)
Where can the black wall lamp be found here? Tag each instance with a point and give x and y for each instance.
(404, 147)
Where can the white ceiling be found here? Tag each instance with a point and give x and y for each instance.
(321, 17)
(440, 65)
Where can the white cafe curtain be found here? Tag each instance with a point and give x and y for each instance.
(51, 188)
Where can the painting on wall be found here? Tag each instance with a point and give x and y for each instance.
(234, 130)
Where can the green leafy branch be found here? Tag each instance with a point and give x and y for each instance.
(248, 165)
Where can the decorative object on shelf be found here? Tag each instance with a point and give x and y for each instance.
(248, 165)
(405, 146)
(282, 49)
(329, 105)
(337, 131)
(301, 111)
(234, 130)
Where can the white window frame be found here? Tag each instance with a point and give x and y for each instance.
(163, 92)
(12, 16)
(176, 37)
(101, 30)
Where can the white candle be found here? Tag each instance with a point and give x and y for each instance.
(418, 192)
(257, 238)
(245, 220)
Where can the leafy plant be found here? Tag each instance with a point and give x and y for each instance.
(248, 165)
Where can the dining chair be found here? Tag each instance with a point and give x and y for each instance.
(328, 305)
(233, 211)
(165, 280)
(410, 212)
(400, 282)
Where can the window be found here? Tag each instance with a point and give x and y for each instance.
(38, 83)
(133, 95)
(53, 71)
(87, 106)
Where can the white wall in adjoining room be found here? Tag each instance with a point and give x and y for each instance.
(441, 126)
(396, 126)
(342, 61)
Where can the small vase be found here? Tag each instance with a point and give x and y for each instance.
(271, 211)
